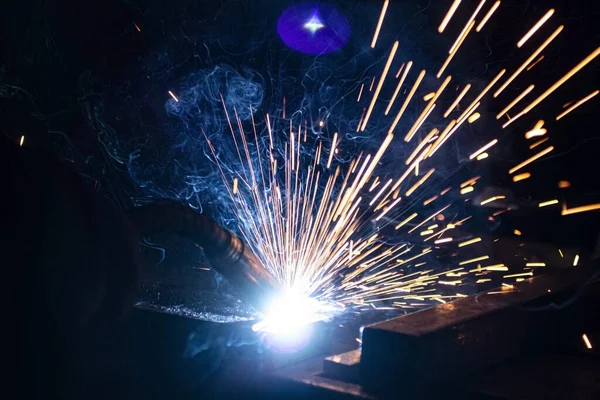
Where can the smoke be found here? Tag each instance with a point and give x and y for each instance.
(199, 100)
(210, 344)
(166, 155)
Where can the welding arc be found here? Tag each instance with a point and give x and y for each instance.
(227, 253)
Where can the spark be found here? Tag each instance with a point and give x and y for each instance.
(491, 199)
(428, 96)
(408, 98)
(429, 218)
(380, 84)
(535, 132)
(417, 125)
(376, 183)
(483, 93)
(536, 144)
(487, 16)
(587, 342)
(515, 101)
(531, 159)
(388, 208)
(484, 148)
(420, 146)
(518, 275)
(561, 253)
(472, 260)
(576, 260)
(517, 232)
(530, 59)
(450, 128)
(307, 218)
(332, 151)
(459, 41)
(399, 70)
(450, 283)
(536, 62)
(137, 27)
(496, 268)
(474, 117)
(561, 81)
(420, 182)
(548, 203)
(470, 23)
(22, 140)
(468, 242)
(535, 27)
(430, 200)
(580, 102)
(174, 97)
(362, 86)
(380, 192)
(471, 181)
(458, 99)
(398, 87)
(564, 184)
(407, 220)
(379, 23)
(535, 264)
(448, 15)
(500, 212)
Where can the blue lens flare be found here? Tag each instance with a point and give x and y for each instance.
(312, 28)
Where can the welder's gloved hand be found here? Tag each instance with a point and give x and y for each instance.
(77, 258)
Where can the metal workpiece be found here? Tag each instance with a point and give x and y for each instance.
(438, 344)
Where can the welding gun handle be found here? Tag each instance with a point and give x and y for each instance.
(228, 254)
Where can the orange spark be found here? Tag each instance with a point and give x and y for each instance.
(521, 177)
(515, 101)
(487, 16)
(398, 87)
(458, 99)
(580, 102)
(531, 159)
(580, 209)
(535, 27)
(379, 23)
(530, 59)
(448, 16)
(380, 84)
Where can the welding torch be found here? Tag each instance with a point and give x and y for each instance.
(227, 253)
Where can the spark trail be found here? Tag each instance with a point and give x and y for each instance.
(320, 226)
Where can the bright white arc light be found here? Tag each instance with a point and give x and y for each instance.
(291, 313)
(288, 323)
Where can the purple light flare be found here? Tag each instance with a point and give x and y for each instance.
(312, 28)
